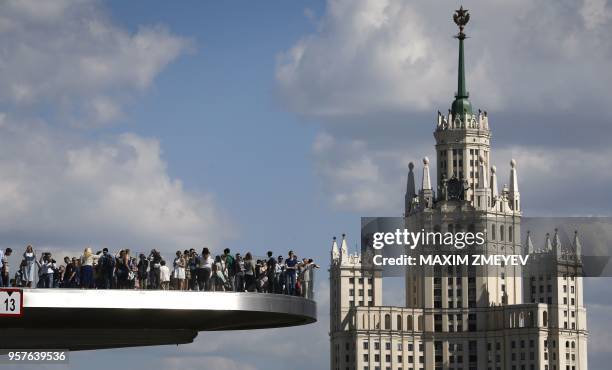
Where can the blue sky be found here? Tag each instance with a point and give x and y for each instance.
(278, 124)
(222, 126)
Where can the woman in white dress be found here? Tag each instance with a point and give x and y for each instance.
(28, 271)
(179, 271)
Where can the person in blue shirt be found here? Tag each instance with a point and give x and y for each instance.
(291, 265)
(4, 268)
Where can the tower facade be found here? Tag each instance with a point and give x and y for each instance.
(464, 317)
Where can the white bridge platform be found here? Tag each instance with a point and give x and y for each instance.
(77, 319)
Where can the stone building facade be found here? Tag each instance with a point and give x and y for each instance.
(456, 317)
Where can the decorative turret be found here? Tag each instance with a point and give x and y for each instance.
(482, 191)
(426, 182)
(577, 246)
(461, 106)
(426, 190)
(335, 253)
(514, 196)
(344, 255)
(557, 247)
(547, 244)
(410, 189)
(494, 189)
(529, 244)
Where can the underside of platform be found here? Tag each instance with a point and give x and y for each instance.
(94, 319)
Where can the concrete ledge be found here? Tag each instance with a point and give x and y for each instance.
(88, 319)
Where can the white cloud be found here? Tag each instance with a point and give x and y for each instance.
(73, 58)
(369, 56)
(364, 179)
(361, 177)
(65, 192)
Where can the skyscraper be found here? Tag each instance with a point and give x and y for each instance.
(463, 317)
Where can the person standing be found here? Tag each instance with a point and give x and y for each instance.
(107, 264)
(205, 270)
(45, 271)
(69, 273)
(238, 273)
(282, 279)
(179, 271)
(143, 271)
(28, 271)
(164, 275)
(249, 273)
(193, 269)
(155, 263)
(291, 272)
(87, 262)
(308, 278)
(271, 272)
(228, 260)
(5, 280)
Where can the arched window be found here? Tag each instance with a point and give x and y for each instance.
(510, 236)
(420, 323)
(399, 322)
(567, 344)
(492, 231)
(409, 322)
(573, 344)
(387, 322)
(545, 318)
(501, 233)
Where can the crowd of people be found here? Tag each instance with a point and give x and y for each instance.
(187, 271)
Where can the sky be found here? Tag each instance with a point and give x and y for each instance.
(277, 125)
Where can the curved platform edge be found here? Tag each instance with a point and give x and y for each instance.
(97, 319)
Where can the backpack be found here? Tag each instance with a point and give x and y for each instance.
(108, 262)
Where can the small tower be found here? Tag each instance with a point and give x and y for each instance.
(577, 246)
(344, 255)
(529, 244)
(426, 190)
(514, 197)
(410, 189)
(557, 247)
(351, 286)
(482, 193)
(335, 253)
(547, 244)
(494, 188)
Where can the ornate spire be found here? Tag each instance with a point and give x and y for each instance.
(482, 174)
(344, 249)
(513, 178)
(547, 244)
(529, 243)
(461, 105)
(410, 188)
(426, 184)
(557, 244)
(577, 246)
(494, 190)
(335, 253)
